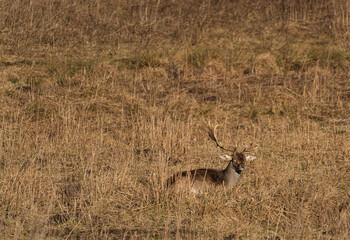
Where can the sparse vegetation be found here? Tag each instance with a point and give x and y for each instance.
(101, 101)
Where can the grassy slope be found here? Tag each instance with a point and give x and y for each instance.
(101, 102)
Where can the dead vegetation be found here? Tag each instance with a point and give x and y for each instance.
(102, 101)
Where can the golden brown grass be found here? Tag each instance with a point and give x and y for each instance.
(101, 101)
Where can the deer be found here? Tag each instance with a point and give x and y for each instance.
(197, 180)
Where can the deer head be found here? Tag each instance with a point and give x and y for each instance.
(238, 158)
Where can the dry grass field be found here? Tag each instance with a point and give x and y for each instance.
(102, 101)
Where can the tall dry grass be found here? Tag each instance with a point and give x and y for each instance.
(101, 101)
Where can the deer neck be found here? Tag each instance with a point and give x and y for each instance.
(231, 174)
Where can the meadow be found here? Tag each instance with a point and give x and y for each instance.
(102, 101)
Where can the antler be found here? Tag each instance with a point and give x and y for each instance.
(211, 132)
(251, 148)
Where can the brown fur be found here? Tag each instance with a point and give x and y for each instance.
(205, 175)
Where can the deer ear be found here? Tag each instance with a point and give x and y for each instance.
(250, 158)
(226, 157)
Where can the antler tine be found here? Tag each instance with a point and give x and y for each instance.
(251, 148)
(212, 135)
